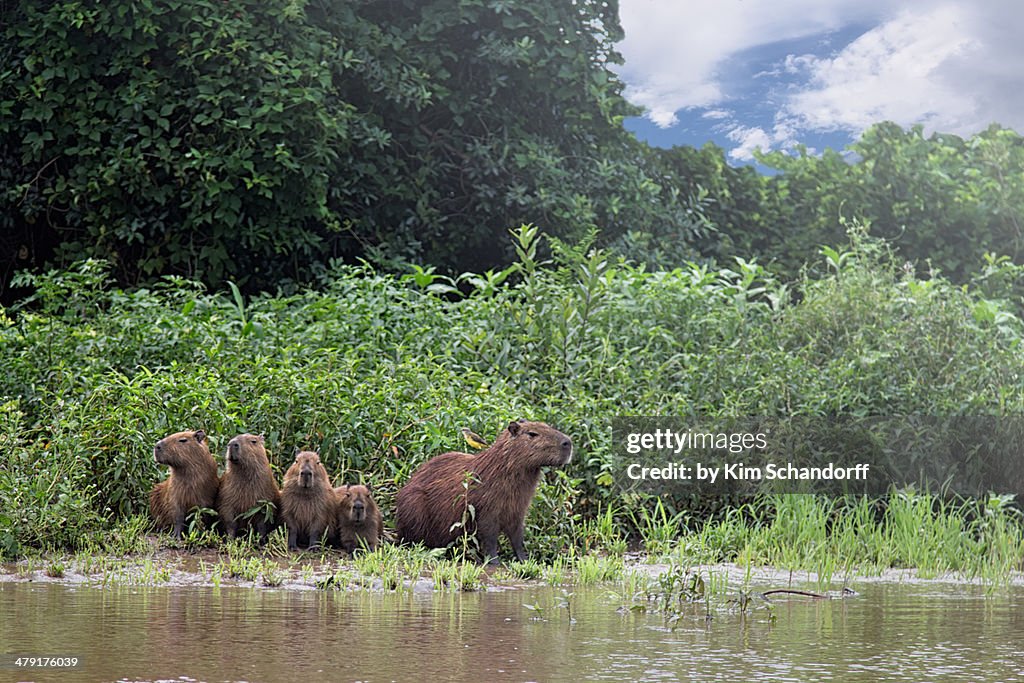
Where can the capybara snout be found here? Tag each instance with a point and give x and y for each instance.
(566, 451)
(233, 449)
(358, 511)
(549, 446)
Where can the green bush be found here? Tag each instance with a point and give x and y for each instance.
(943, 202)
(379, 372)
(259, 140)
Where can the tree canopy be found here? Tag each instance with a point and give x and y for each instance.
(260, 140)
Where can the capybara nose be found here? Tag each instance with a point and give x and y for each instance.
(358, 505)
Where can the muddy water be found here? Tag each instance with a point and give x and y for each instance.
(888, 632)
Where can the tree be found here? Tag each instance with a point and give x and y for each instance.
(258, 139)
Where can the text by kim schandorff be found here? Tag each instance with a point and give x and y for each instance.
(833, 455)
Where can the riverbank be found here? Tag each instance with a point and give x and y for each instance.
(395, 569)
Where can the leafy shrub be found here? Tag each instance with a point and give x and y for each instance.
(379, 372)
(260, 139)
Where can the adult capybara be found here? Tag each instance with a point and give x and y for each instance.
(498, 482)
(358, 519)
(193, 481)
(247, 482)
(307, 501)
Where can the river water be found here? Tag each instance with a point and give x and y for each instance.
(889, 632)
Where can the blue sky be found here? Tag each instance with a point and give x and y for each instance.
(771, 74)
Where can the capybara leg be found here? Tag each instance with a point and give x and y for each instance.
(293, 538)
(231, 529)
(262, 530)
(179, 524)
(315, 536)
(489, 546)
(515, 538)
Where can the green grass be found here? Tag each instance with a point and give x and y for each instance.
(907, 529)
(834, 538)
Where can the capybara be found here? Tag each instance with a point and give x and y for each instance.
(247, 481)
(193, 481)
(498, 483)
(307, 501)
(358, 518)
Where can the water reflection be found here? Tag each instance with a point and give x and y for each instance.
(890, 632)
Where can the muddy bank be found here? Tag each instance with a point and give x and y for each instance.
(333, 570)
(773, 576)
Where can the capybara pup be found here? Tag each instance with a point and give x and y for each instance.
(307, 501)
(358, 519)
(498, 482)
(193, 481)
(247, 481)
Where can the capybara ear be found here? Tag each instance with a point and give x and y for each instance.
(348, 487)
(521, 420)
(200, 435)
(297, 451)
(367, 485)
(513, 428)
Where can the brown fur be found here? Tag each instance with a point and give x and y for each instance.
(501, 482)
(358, 518)
(247, 481)
(307, 501)
(192, 483)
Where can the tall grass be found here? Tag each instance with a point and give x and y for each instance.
(931, 533)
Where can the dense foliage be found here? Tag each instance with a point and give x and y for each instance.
(260, 139)
(941, 201)
(379, 372)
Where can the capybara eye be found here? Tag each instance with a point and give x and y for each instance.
(182, 440)
(532, 434)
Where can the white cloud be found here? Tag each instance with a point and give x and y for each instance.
(716, 114)
(794, 64)
(898, 72)
(953, 66)
(752, 138)
(749, 140)
(673, 47)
